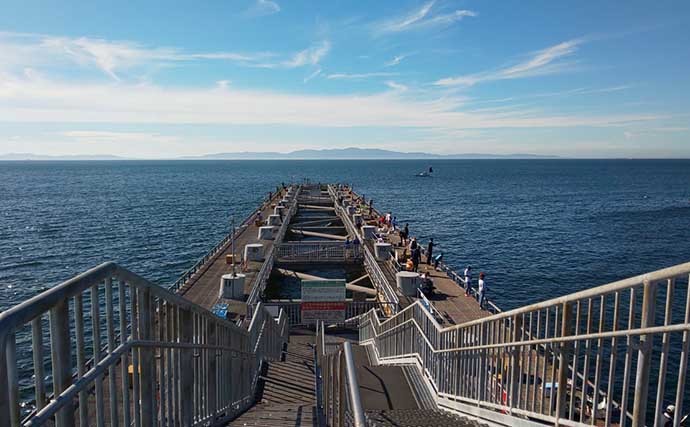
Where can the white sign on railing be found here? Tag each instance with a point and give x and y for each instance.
(323, 300)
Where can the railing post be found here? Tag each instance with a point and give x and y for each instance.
(4, 384)
(565, 349)
(146, 358)
(212, 372)
(61, 350)
(644, 355)
(187, 374)
(515, 361)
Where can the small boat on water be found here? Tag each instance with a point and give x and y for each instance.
(426, 174)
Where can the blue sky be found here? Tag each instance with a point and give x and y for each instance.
(155, 80)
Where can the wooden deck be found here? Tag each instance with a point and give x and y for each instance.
(203, 287)
(448, 298)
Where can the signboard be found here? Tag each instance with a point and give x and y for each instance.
(323, 300)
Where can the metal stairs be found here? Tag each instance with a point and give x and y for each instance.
(286, 395)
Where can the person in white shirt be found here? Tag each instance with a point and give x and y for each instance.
(482, 290)
(468, 280)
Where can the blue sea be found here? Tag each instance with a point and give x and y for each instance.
(537, 228)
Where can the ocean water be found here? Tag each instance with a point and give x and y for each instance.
(538, 228)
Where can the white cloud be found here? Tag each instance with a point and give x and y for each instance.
(117, 137)
(263, 7)
(543, 62)
(309, 56)
(24, 100)
(396, 86)
(312, 75)
(358, 76)
(115, 57)
(395, 61)
(421, 18)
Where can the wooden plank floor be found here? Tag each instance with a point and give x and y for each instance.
(203, 287)
(449, 297)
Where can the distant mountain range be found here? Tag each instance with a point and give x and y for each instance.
(325, 154)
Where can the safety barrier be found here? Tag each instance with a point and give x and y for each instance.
(613, 354)
(127, 351)
(338, 396)
(377, 276)
(318, 252)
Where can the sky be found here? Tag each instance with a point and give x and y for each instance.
(164, 79)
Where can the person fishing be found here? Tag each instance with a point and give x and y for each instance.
(404, 234)
(416, 256)
(482, 290)
(437, 259)
(468, 280)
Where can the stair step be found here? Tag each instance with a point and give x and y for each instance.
(278, 415)
(417, 418)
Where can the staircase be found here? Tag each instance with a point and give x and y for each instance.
(287, 394)
(416, 417)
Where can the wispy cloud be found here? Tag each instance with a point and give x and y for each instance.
(396, 86)
(358, 76)
(263, 8)
(309, 56)
(26, 100)
(424, 17)
(94, 136)
(540, 63)
(396, 60)
(312, 75)
(114, 58)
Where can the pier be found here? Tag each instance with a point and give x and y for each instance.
(305, 314)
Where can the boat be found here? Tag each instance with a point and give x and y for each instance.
(426, 174)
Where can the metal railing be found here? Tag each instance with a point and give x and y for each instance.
(318, 252)
(338, 398)
(221, 246)
(261, 279)
(353, 309)
(126, 351)
(377, 276)
(613, 354)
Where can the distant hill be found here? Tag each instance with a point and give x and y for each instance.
(357, 154)
(324, 154)
(30, 156)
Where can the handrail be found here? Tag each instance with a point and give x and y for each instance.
(317, 251)
(339, 397)
(506, 361)
(220, 246)
(264, 273)
(371, 265)
(172, 348)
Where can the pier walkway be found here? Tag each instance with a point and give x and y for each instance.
(124, 351)
(449, 300)
(203, 287)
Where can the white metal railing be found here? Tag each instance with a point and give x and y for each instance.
(318, 252)
(613, 354)
(264, 273)
(338, 397)
(372, 267)
(126, 351)
(353, 309)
